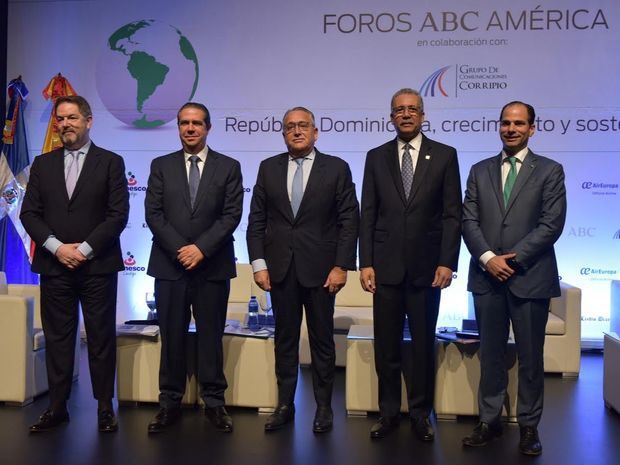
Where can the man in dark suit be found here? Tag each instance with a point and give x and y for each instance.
(301, 239)
(409, 247)
(76, 207)
(514, 211)
(193, 205)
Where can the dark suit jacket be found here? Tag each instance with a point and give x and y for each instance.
(528, 226)
(414, 237)
(209, 225)
(324, 232)
(96, 213)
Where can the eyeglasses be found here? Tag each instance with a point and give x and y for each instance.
(302, 126)
(399, 111)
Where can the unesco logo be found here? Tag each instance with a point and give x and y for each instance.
(132, 183)
(131, 264)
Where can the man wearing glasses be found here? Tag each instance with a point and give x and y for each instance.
(301, 239)
(409, 247)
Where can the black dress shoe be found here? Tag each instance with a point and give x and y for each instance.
(323, 419)
(165, 418)
(106, 421)
(48, 420)
(423, 428)
(218, 416)
(284, 414)
(530, 443)
(383, 427)
(482, 434)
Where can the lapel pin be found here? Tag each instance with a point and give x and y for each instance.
(428, 157)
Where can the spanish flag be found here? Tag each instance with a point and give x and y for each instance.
(58, 87)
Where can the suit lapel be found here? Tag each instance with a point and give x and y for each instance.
(424, 159)
(206, 177)
(394, 169)
(88, 169)
(180, 173)
(282, 188)
(58, 171)
(495, 171)
(527, 168)
(314, 182)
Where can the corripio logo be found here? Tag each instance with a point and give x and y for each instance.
(434, 83)
(466, 78)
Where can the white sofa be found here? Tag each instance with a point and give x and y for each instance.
(22, 345)
(562, 351)
(611, 353)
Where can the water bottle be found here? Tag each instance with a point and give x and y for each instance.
(253, 314)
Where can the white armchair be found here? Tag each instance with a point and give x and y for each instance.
(23, 375)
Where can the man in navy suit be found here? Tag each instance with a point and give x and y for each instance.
(410, 238)
(301, 238)
(76, 207)
(514, 211)
(193, 205)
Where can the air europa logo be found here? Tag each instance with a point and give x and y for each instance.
(587, 271)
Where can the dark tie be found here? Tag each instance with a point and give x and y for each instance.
(297, 191)
(73, 171)
(406, 170)
(194, 177)
(510, 179)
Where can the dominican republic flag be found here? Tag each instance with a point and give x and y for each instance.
(15, 244)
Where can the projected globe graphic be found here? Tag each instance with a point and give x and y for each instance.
(146, 72)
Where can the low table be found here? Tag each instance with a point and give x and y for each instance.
(248, 366)
(456, 386)
(458, 375)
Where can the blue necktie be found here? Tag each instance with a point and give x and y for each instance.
(297, 191)
(194, 178)
(406, 170)
(73, 172)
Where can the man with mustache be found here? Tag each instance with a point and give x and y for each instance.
(409, 248)
(75, 208)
